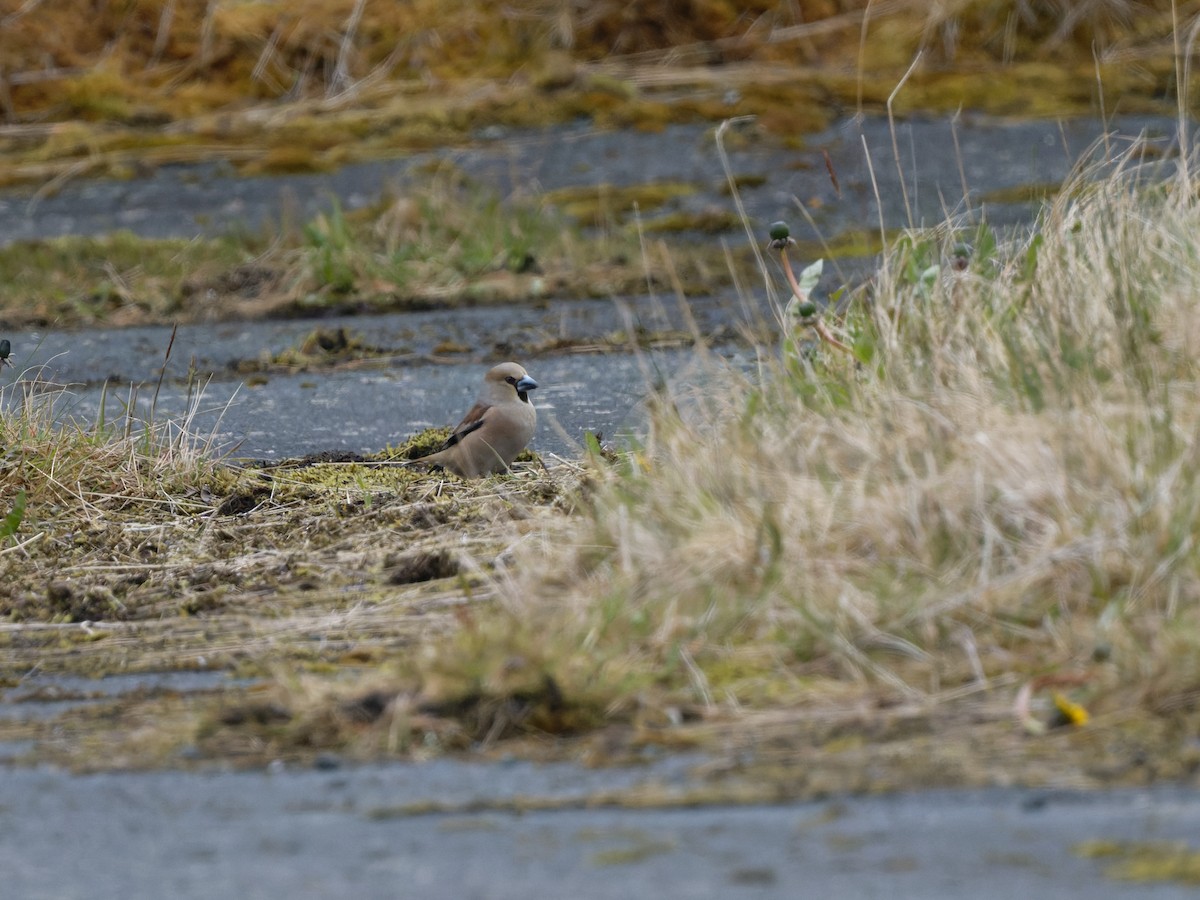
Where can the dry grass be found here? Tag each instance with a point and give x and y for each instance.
(53, 456)
(1001, 487)
(117, 61)
(872, 570)
(138, 521)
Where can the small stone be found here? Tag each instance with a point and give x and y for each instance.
(327, 762)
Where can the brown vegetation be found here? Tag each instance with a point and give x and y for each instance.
(308, 85)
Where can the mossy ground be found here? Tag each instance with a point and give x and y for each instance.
(326, 565)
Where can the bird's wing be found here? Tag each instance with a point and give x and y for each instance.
(472, 421)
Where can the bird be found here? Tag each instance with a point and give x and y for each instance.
(494, 430)
(5, 352)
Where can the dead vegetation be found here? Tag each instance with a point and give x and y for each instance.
(136, 521)
(129, 548)
(116, 88)
(148, 62)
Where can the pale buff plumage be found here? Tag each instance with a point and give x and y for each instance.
(495, 430)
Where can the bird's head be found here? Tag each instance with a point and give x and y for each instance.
(506, 377)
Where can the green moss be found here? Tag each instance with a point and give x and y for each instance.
(847, 245)
(709, 221)
(743, 181)
(638, 850)
(1149, 862)
(286, 160)
(595, 205)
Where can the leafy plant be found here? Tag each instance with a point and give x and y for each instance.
(12, 521)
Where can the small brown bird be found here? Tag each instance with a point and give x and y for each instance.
(496, 429)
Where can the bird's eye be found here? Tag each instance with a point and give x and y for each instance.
(511, 380)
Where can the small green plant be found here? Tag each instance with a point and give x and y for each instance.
(12, 521)
(331, 247)
(800, 309)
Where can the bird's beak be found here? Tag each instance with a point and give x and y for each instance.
(526, 384)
